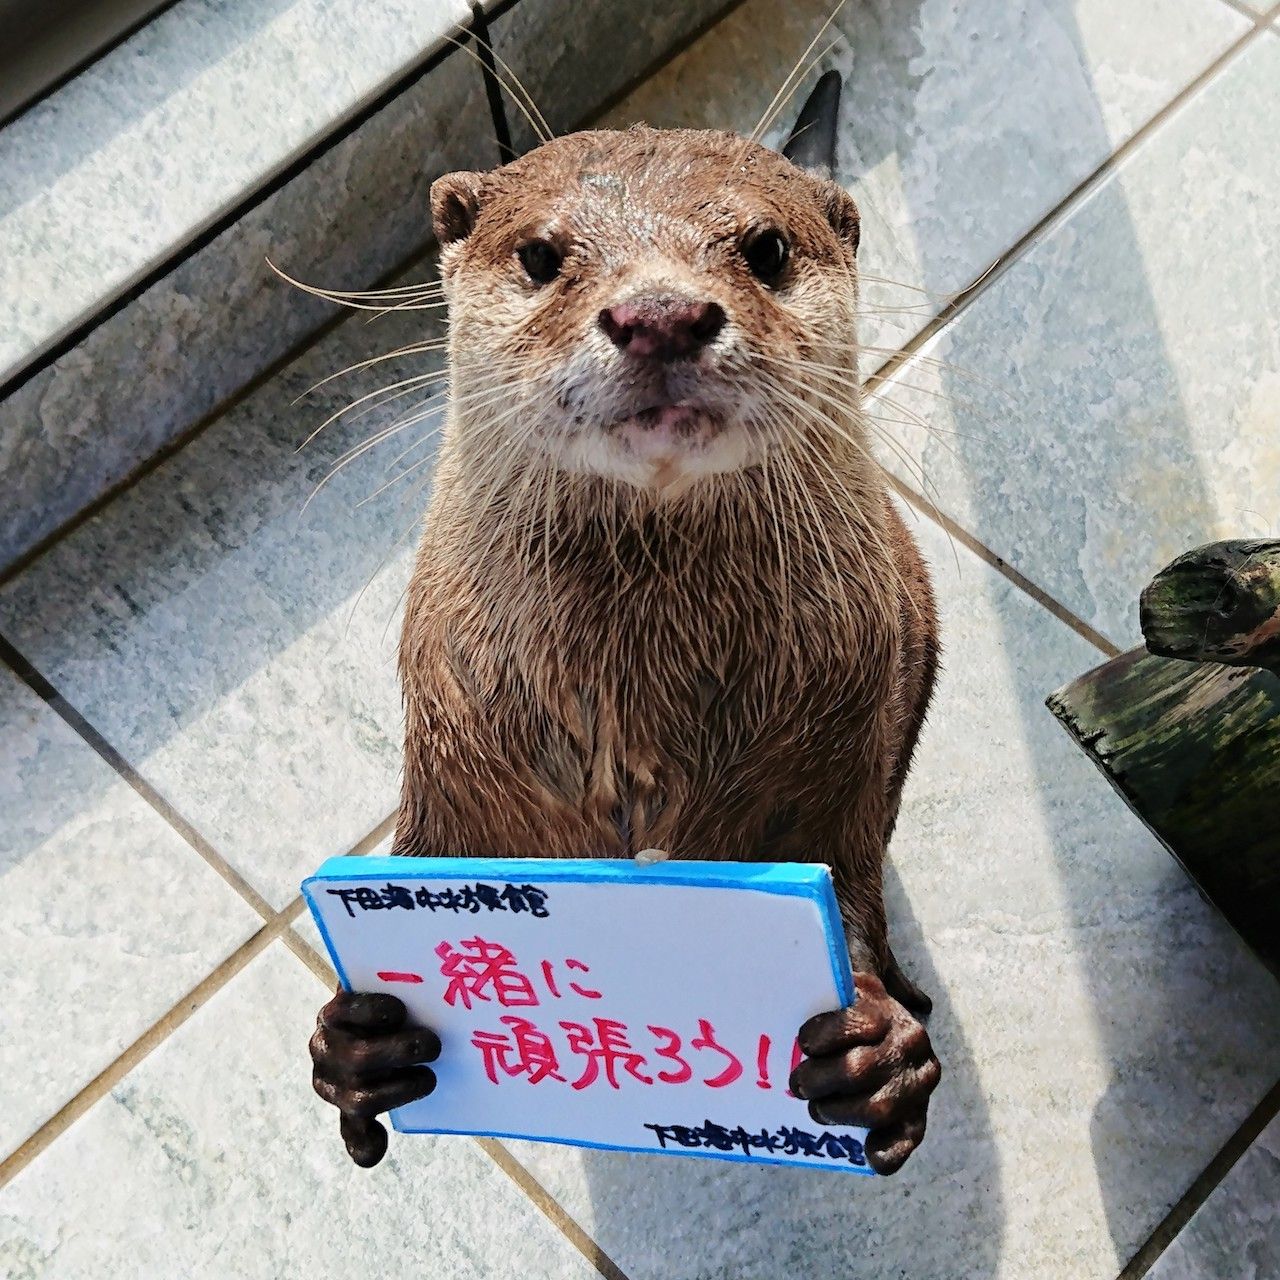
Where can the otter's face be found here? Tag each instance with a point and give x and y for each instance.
(638, 305)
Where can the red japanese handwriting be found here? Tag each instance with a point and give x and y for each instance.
(478, 969)
(481, 967)
(607, 1054)
(526, 1051)
(608, 1048)
(583, 1054)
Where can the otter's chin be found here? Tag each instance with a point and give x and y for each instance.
(666, 449)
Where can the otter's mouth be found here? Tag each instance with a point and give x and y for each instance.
(668, 417)
(660, 444)
(669, 421)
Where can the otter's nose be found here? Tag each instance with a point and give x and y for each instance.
(662, 326)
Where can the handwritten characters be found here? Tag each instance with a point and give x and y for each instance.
(601, 1051)
(471, 898)
(786, 1140)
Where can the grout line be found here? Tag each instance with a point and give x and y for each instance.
(318, 964)
(1059, 214)
(276, 925)
(85, 63)
(224, 406)
(959, 304)
(152, 1038)
(375, 837)
(552, 1208)
(501, 1156)
(1060, 611)
(1200, 1190)
(310, 957)
(45, 690)
(492, 85)
(1225, 1160)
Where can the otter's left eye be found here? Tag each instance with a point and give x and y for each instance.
(541, 261)
(766, 254)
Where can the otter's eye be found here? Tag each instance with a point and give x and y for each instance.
(766, 254)
(540, 260)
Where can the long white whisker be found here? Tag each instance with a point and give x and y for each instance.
(421, 379)
(795, 88)
(769, 111)
(547, 132)
(542, 130)
(414, 348)
(916, 471)
(330, 295)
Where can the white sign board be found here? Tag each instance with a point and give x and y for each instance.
(603, 1003)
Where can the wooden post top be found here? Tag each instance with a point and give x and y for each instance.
(1218, 603)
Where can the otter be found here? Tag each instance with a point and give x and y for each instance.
(662, 597)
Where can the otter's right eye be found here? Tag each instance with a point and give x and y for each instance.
(766, 254)
(540, 260)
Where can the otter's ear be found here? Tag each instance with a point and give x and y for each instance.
(455, 202)
(812, 144)
(843, 215)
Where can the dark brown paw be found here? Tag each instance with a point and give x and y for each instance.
(870, 1065)
(365, 1061)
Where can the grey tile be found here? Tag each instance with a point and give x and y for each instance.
(108, 917)
(1086, 1003)
(961, 125)
(214, 1159)
(1116, 395)
(1236, 1232)
(238, 650)
(153, 141)
(149, 373)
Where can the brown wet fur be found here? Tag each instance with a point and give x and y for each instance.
(601, 668)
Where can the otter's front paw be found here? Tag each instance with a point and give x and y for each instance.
(870, 1065)
(366, 1061)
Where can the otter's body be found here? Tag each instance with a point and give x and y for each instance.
(662, 598)
(606, 682)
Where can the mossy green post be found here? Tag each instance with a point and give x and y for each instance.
(1188, 730)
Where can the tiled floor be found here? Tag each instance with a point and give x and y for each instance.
(227, 716)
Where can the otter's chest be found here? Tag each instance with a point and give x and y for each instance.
(698, 754)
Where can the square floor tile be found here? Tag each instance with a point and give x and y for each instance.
(108, 917)
(1087, 1002)
(1116, 395)
(213, 1158)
